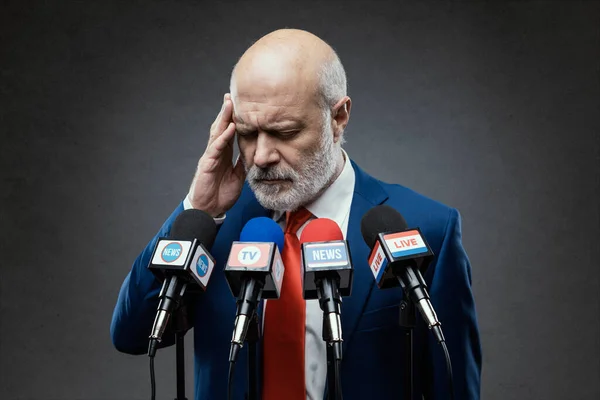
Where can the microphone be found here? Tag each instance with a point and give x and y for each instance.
(326, 274)
(398, 255)
(253, 271)
(181, 261)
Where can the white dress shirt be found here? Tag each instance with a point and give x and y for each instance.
(334, 203)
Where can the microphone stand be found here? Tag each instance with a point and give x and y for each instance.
(408, 322)
(328, 290)
(331, 372)
(181, 324)
(252, 337)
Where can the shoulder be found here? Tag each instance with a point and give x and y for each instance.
(433, 217)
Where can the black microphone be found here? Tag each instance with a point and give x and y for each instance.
(326, 274)
(398, 255)
(254, 271)
(181, 262)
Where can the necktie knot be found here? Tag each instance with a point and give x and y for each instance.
(295, 219)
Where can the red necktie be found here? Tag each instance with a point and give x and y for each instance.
(285, 323)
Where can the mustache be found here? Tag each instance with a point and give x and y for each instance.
(274, 173)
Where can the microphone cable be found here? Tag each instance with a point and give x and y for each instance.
(448, 369)
(152, 379)
(230, 379)
(338, 380)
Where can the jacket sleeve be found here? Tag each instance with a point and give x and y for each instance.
(453, 301)
(136, 306)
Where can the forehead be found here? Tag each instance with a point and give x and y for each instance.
(274, 85)
(266, 102)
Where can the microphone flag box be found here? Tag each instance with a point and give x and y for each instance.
(398, 249)
(185, 258)
(326, 259)
(260, 260)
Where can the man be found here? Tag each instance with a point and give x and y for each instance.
(289, 108)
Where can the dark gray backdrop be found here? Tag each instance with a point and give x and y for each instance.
(488, 107)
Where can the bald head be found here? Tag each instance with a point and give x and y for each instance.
(293, 60)
(289, 110)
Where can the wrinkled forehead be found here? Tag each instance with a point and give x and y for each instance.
(282, 95)
(285, 82)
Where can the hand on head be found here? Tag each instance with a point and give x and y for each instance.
(291, 109)
(218, 181)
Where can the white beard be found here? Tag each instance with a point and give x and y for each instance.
(314, 174)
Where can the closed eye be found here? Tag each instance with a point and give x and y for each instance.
(285, 134)
(280, 134)
(246, 133)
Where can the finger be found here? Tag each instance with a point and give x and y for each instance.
(239, 170)
(220, 143)
(222, 121)
(213, 126)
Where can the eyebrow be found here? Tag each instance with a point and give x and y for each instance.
(237, 118)
(288, 125)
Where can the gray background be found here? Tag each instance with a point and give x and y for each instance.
(492, 108)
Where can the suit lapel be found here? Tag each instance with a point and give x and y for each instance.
(367, 194)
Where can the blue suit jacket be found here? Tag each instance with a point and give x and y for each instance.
(372, 364)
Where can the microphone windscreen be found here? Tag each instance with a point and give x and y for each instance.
(262, 229)
(378, 219)
(321, 230)
(195, 224)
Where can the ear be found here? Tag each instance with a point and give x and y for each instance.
(341, 116)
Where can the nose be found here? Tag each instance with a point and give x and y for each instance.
(266, 152)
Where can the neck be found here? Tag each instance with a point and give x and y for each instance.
(341, 160)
